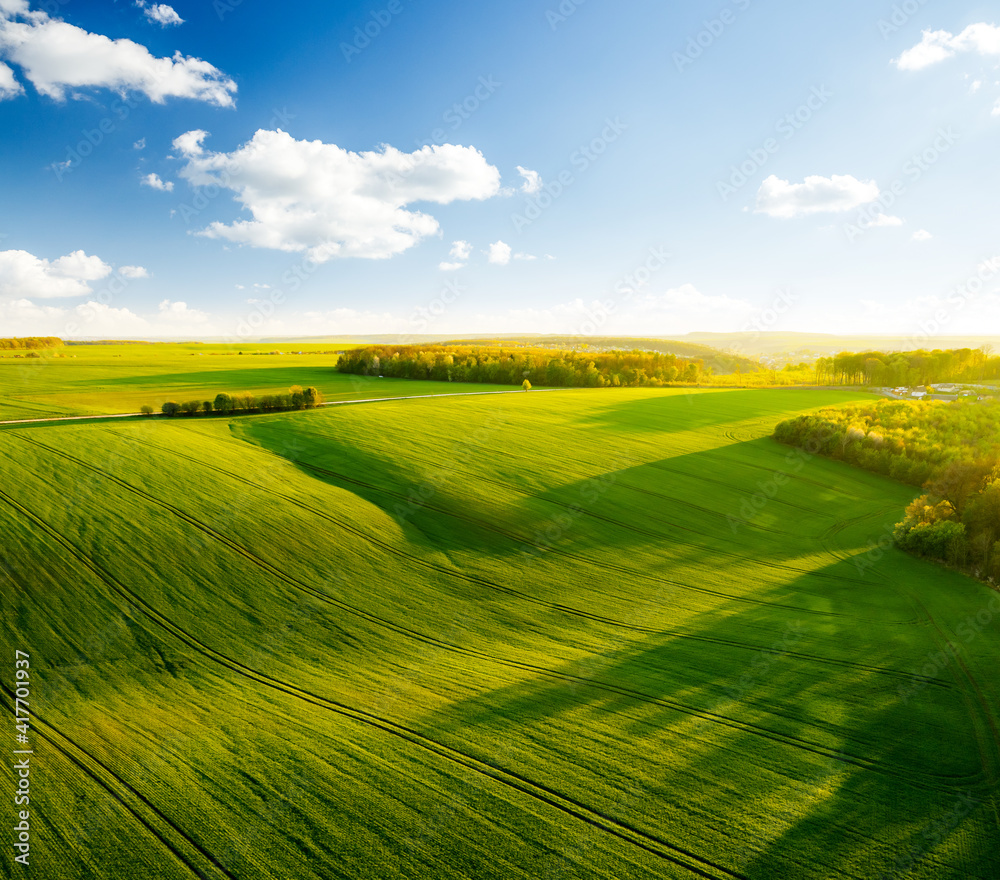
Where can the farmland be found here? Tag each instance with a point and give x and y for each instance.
(586, 633)
(100, 379)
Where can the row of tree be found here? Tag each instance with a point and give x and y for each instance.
(30, 343)
(890, 369)
(501, 366)
(951, 450)
(296, 397)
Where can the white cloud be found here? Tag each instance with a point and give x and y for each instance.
(532, 180)
(328, 202)
(101, 320)
(996, 108)
(154, 181)
(669, 313)
(159, 13)
(841, 192)
(499, 253)
(460, 250)
(24, 276)
(936, 46)
(921, 235)
(55, 56)
(459, 253)
(139, 144)
(9, 86)
(881, 219)
(525, 257)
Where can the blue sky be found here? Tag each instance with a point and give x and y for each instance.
(573, 167)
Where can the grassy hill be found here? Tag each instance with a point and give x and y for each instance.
(573, 634)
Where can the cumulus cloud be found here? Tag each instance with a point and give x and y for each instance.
(159, 13)
(532, 180)
(320, 199)
(921, 235)
(102, 320)
(460, 250)
(9, 86)
(841, 192)
(881, 219)
(937, 46)
(499, 253)
(459, 253)
(154, 181)
(55, 56)
(24, 276)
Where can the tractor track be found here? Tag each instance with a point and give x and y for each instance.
(761, 731)
(613, 622)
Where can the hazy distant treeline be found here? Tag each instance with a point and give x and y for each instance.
(504, 366)
(29, 343)
(952, 450)
(712, 359)
(890, 369)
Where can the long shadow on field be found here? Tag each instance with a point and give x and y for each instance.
(693, 510)
(777, 746)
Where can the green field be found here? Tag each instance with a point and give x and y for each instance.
(99, 379)
(579, 634)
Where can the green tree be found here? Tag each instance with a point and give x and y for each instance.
(223, 403)
(312, 396)
(170, 408)
(526, 385)
(206, 406)
(146, 409)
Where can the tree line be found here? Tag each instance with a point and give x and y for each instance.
(951, 450)
(31, 343)
(505, 366)
(296, 397)
(891, 369)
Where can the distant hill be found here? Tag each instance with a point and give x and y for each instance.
(754, 344)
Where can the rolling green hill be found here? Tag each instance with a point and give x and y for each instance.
(587, 634)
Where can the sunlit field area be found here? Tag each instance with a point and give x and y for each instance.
(586, 633)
